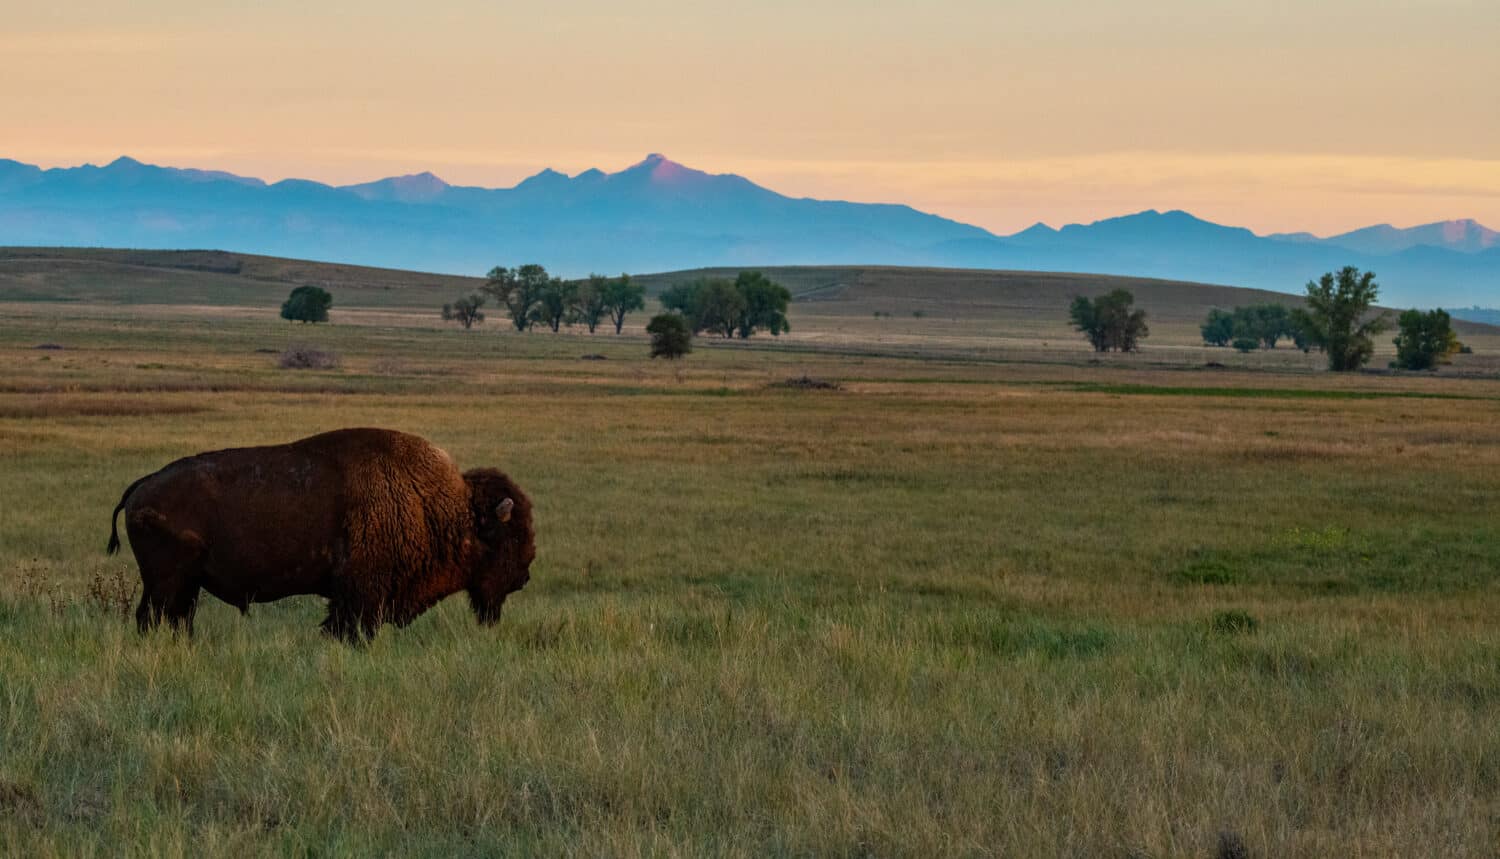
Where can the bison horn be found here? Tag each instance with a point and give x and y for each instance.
(502, 510)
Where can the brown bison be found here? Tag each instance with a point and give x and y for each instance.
(379, 522)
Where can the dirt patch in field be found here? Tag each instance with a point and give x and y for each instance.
(808, 383)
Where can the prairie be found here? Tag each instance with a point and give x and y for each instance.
(987, 598)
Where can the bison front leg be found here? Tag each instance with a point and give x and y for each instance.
(148, 613)
(350, 623)
(174, 600)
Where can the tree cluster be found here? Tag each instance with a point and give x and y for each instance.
(465, 311)
(740, 307)
(530, 297)
(307, 304)
(1109, 321)
(1425, 340)
(1255, 326)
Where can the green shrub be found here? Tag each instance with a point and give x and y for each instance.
(307, 304)
(670, 336)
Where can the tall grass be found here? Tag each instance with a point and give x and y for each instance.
(935, 618)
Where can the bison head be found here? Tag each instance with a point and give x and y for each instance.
(506, 545)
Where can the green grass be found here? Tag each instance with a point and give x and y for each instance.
(1263, 393)
(952, 609)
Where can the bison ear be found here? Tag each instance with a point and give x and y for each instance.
(502, 510)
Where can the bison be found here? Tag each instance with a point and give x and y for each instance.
(379, 522)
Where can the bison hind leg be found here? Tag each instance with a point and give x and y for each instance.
(171, 574)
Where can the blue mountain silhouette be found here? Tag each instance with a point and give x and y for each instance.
(660, 215)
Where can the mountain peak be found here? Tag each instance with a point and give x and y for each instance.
(411, 188)
(426, 180)
(1037, 231)
(1464, 235)
(661, 169)
(544, 175)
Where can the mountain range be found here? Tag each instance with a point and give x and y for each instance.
(660, 215)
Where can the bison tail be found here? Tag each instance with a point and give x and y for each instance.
(114, 534)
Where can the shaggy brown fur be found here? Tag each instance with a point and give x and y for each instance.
(379, 522)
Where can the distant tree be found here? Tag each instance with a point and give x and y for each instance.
(765, 304)
(591, 301)
(721, 307)
(747, 304)
(1265, 323)
(465, 311)
(1337, 317)
(518, 290)
(1084, 317)
(1245, 345)
(554, 303)
(1425, 340)
(621, 296)
(671, 336)
(307, 304)
(687, 299)
(1109, 322)
(1218, 328)
(1298, 334)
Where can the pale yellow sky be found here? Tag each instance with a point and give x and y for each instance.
(1274, 115)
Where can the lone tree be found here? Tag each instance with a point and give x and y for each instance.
(1425, 340)
(307, 304)
(671, 338)
(1109, 322)
(1337, 317)
(621, 296)
(518, 290)
(465, 311)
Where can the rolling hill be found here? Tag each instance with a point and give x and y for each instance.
(930, 300)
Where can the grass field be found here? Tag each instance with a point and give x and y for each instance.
(986, 599)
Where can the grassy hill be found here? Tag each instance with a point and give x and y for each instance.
(226, 278)
(841, 305)
(980, 294)
(104, 275)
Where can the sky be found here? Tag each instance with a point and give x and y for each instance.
(1280, 116)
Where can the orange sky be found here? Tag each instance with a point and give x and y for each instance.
(1274, 115)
